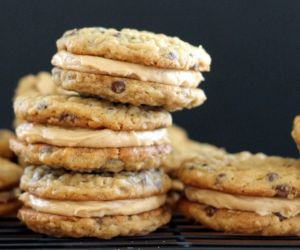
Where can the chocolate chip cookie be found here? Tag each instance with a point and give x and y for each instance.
(243, 193)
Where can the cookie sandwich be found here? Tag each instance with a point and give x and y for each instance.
(243, 193)
(131, 66)
(59, 203)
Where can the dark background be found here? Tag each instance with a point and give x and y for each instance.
(253, 89)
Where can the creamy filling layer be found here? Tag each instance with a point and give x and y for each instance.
(93, 208)
(101, 65)
(9, 195)
(78, 137)
(260, 205)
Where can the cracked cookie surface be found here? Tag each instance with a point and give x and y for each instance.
(74, 111)
(245, 174)
(92, 159)
(135, 46)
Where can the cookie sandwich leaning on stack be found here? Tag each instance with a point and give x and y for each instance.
(10, 174)
(96, 165)
(243, 193)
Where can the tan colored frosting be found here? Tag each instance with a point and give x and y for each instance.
(260, 205)
(101, 65)
(79, 137)
(93, 208)
(9, 195)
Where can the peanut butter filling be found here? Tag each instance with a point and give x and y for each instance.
(93, 208)
(100, 65)
(79, 137)
(260, 205)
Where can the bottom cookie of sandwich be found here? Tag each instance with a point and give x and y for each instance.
(240, 221)
(103, 227)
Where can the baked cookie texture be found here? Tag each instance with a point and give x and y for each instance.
(131, 66)
(5, 136)
(40, 83)
(245, 174)
(235, 193)
(127, 90)
(92, 159)
(10, 174)
(106, 227)
(60, 184)
(34, 85)
(135, 46)
(296, 131)
(185, 149)
(75, 111)
(240, 221)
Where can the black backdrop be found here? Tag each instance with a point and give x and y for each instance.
(253, 89)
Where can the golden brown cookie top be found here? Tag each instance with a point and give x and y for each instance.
(244, 174)
(75, 111)
(140, 47)
(40, 83)
(185, 149)
(10, 174)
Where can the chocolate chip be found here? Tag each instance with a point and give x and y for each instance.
(70, 77)
(272, 176)
(210, 211)
(220, 177)
(171, 55)
(42, 106)
(118, 87)
(191, 55)
(151, 108)
(283, 190)
(280, 216)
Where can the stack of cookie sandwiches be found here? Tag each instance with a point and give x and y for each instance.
(95, 156)
(243, 193)
(296, 131)
(10, 174)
